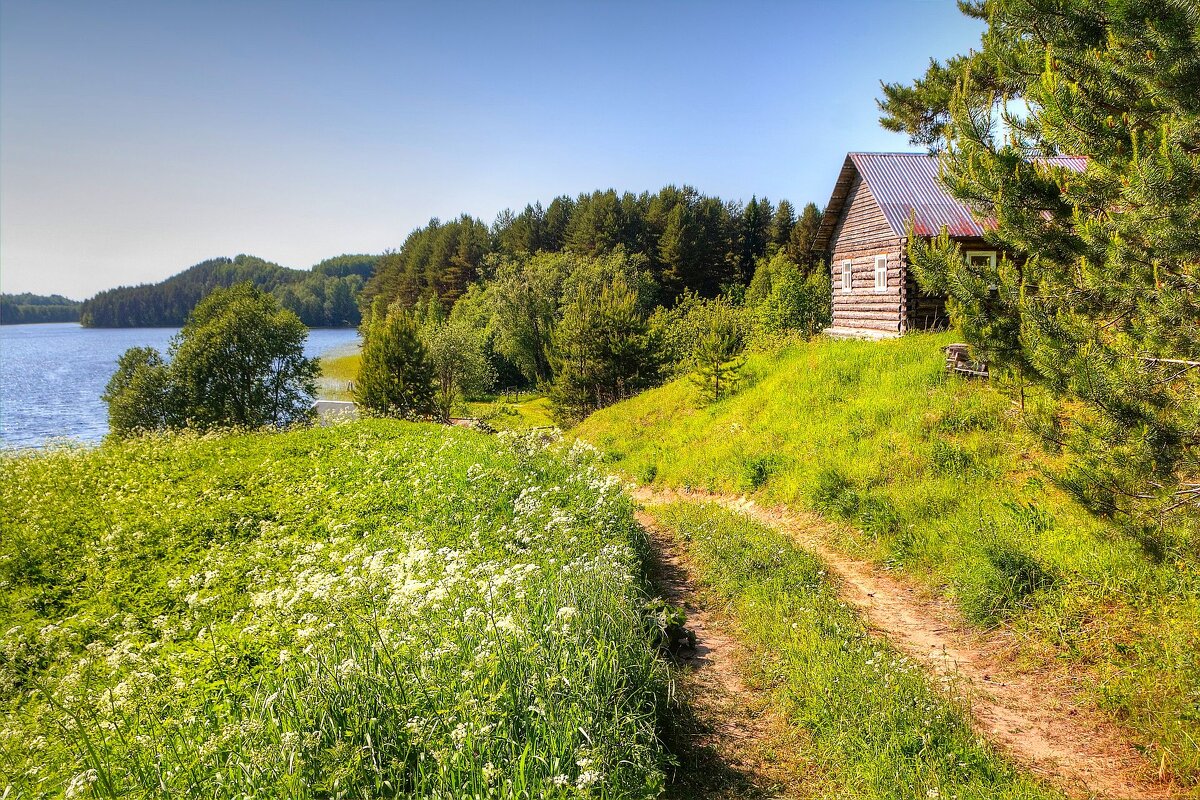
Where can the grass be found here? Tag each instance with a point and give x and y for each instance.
(937, 477)
(371, 609)
(875, 725)
(530, 410)
(338, 371)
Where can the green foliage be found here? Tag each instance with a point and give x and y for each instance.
(876, 435)
(442, 259)
(689, 242)
(603, 350)
(781, 299)
(326, 296)
(718, 349)
(461, 369)
(874, 721)
(1096, 302)
(238, 362)
(24, 309)
(375, 609)
(139, 394)
(395, 375)
(524, 297)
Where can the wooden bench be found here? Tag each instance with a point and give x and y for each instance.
(958, 361)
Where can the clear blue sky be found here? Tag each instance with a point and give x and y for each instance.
(137, 139)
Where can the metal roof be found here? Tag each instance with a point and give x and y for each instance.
(906, 187)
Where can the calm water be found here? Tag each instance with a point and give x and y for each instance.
(52, 376)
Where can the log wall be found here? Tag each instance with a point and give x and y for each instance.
(861, 234)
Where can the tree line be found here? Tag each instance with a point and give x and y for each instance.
(25, 308)
(325, 296)
(587, 330)
(688, 242)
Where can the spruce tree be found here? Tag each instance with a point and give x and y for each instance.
(718, 350)
(1095, 300)
(396, 376)
(801, 246)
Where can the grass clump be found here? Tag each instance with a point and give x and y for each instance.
(875, 723)
(372, 609)
(939, 477)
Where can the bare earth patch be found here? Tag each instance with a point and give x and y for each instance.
(1029, 716)
(729, 742)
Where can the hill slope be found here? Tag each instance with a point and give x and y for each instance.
(326, 296)
(22, 309)
(937, 478)
(371, 610)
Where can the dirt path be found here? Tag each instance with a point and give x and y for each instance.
(729, 742)
(1036, 722)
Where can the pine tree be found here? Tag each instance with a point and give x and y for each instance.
(396, 376)
(781, 227)
(1096, 301)
(801, 247)
(718, 351)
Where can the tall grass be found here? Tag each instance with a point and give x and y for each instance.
(937, 477)
(338, 371)
(374, 609)
(877, 726)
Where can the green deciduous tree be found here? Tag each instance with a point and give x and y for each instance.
(396, 375)
(238, 362)
(781, 299)
(461, 368)
(138, 394)
(1097, 301)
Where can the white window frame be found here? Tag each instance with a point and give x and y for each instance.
(881, 274)
(991, 255)
(847, 276)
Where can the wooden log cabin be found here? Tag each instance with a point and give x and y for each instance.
(864, 237)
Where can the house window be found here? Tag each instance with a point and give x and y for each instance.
(847, 276)
(880, 274)
(982, 258)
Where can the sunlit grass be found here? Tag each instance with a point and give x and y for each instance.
(372, 609)
(524, 412)
(875, 723)
(338, 372)
(936, 476)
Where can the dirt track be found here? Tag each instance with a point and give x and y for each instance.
(1036, 722)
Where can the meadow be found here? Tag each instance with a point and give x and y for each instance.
(372, 609)
(338, 372)
(501, 411)
(938, 478)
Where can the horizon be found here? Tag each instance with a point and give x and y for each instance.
(137, 140)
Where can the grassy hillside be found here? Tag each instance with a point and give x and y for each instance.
(936, 477)
(871, 716)
(375, 609)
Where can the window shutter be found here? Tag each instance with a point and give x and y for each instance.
(880, 274)
(847, 276)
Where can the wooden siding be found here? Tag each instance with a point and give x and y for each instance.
(861, 234)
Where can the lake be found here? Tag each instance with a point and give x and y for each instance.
(52, 376)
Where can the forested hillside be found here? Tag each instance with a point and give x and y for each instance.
(20, 309)
(325, 296)
(689, 241)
